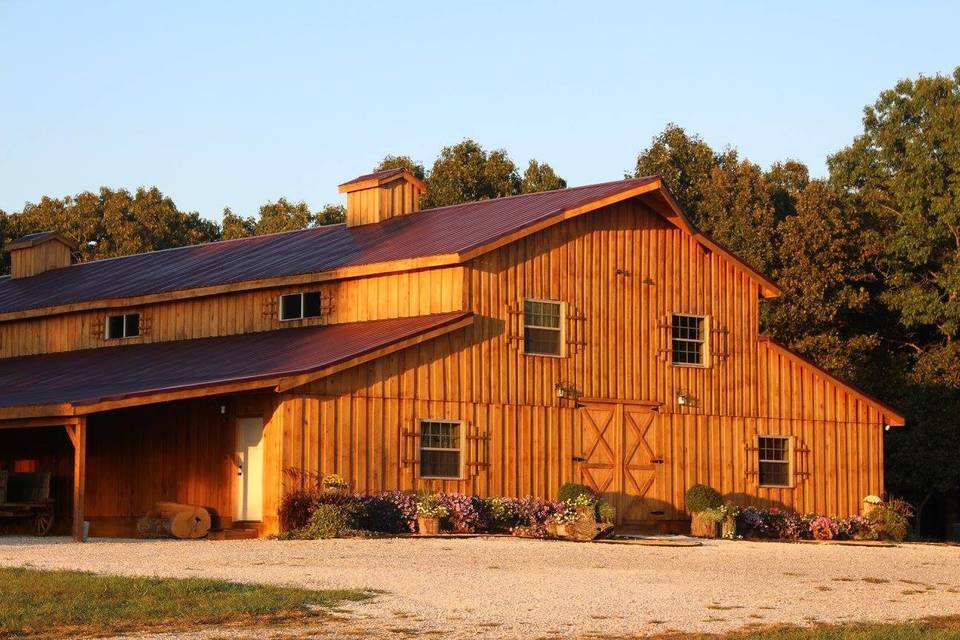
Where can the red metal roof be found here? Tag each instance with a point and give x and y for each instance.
(97, 375)
(446, 230)
(376, 175)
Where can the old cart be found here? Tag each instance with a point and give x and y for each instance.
(26, 496)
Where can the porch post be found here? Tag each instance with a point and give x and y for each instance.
(79, 475)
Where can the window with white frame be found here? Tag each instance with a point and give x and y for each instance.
(297, 306)
(542, 327)
(126, 325)
(773, 461)
(440, 447)
(688, 339)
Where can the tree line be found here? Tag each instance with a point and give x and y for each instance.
(868, 257)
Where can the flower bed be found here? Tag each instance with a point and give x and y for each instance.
(888, 521)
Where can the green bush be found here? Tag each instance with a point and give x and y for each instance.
(701, 497)
(606, 512)
(887, 523)
(329, 521)
(571, 491)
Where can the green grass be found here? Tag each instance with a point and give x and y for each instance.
(38, 604)
(928, 629)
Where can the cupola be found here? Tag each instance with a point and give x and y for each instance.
(380, 196)
(36, 253)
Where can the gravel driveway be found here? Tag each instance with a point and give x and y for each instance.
(506, 588)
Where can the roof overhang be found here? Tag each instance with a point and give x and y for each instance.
(382, 337)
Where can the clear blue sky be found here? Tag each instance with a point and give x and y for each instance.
(234, 104)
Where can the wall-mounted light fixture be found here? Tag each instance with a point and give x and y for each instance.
(566, 391)
(684, 399)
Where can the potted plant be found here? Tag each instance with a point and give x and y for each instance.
(429, 514)
(704, 505)
(870, 503)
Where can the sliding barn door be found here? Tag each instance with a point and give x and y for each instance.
(621, 459)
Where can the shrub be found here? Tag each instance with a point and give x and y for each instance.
(327, 521)
(571, 491)
(429, 506)
(500, 514)
(381, 514)
(886, 523)
(296, 509)
(701, 497)
(606, 512)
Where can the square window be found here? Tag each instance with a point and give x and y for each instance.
(542, 328)
(773, 458)
(123, 326)
(688, 337)
(440, 449)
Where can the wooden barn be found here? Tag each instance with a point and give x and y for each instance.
(501, 347)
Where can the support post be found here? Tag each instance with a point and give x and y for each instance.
(78, 434)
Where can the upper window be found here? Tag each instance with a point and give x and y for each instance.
(542, 332)
(123, 326)
(689, 336)
(440, 449)
(297, 306)
(774, 461)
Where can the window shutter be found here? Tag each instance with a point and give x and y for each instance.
(751, 451)
(270, 307)
(801, 460)
(665, 338)
(477, 451)
(515, 324)
(411, 446)
(719, 340)
(576, 330)
(146, 323)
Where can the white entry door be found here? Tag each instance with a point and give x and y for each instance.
(249, 502)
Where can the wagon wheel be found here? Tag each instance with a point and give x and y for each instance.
(43, 521)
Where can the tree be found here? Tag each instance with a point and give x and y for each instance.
(540, 177)
(466, 172)
(902, 175)
(112, 222)
(402, 162)
(726, 197)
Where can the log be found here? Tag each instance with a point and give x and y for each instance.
(175, 520)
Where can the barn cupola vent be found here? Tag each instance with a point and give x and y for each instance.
(38, 252)
(380, 196)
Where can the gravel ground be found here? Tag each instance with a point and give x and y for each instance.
(507, 588)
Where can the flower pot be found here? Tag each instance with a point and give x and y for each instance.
(700, 527)
(562, 530)
(428, 526)
(728, 528)
(551, 528)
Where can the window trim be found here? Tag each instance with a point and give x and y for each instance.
(303, 306)
(125, 315)
(705, 343)
(460, 451)
(562, 329)
(789, 461)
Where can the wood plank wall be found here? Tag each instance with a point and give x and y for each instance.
(374, 298)
(625, 272)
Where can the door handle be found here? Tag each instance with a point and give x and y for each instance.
(657, 461)
(579, 459)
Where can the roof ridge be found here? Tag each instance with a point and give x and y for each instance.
(537, 193)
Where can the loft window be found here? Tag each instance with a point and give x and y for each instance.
(542, 332)
(689, 336)
(123, 326)
(297, 306)
(440, 449)
(773, 457)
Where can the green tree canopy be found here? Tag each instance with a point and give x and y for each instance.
(540, 176)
